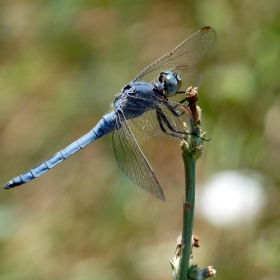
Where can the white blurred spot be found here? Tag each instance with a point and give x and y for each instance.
(231, 197)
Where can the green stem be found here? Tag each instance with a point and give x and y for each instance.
(188, 209)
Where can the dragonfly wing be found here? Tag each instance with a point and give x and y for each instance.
(131, 159)
(187, 54)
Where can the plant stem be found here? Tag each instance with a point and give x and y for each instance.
(188, 210)
(191, 149)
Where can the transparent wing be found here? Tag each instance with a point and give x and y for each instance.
(181, 60)
(131, 159)
(176, 123)
(182, 57)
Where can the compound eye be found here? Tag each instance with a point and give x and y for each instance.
(169, 81)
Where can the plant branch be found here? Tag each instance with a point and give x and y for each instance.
(188, 211)
(191, 151)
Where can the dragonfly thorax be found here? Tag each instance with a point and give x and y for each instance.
(171, 82)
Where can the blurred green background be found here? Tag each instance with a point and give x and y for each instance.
(61, 63)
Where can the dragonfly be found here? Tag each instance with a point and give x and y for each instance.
(151, 105)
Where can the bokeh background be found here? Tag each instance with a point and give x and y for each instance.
(61, 63)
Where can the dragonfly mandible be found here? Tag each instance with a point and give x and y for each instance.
(151, 105)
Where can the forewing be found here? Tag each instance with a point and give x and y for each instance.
(184, 56)
(131, 159)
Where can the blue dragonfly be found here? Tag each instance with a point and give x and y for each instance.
(151, 105)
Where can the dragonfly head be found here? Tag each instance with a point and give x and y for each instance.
(171, 82)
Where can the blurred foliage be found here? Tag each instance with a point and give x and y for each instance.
(61, 64)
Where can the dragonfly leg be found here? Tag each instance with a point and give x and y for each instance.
(185, 99)
(163, 120)
(172, 108)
